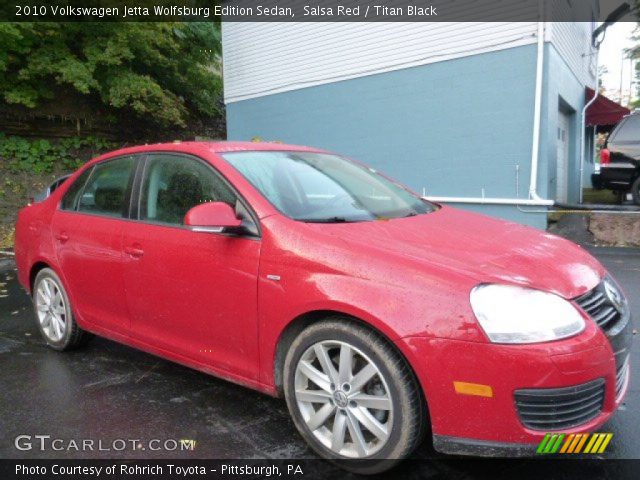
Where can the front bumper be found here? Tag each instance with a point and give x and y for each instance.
(492, 426)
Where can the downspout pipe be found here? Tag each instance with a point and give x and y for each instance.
(534, 199)
(537, 109)
(583, 128)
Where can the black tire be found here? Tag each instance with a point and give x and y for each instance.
(72, 335)
(408, 420)
(635, 191)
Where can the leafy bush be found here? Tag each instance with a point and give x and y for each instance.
(7, 235)
(162, 73)
(40, 156)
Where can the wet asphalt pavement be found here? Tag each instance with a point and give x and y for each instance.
(109, 391)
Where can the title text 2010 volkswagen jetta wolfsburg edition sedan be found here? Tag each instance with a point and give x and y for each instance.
(300, 273)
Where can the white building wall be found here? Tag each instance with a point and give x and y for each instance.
(573, 42)
(265, 58)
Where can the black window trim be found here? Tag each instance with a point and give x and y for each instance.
(136, 197)
(57, 183)
(127, 195)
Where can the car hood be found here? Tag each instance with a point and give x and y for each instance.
(480, 247)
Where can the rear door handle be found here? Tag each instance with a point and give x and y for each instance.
(62, 237)
(134, 252)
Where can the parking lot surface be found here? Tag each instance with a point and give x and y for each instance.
(110, 392)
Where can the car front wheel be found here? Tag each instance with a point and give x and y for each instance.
(352, 396)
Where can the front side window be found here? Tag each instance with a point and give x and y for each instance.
(174, 184)
(106, 191)
(318, 187)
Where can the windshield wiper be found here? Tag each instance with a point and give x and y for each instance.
(325, 220)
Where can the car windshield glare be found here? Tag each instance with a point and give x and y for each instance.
(320, 187)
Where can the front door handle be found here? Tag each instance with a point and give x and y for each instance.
(62, 237)
(134, 252)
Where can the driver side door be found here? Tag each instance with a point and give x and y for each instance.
(190, 293)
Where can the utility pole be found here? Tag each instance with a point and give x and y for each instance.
(620, 98)
(632, 71)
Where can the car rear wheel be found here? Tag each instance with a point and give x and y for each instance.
(352, 396)
(53, 313)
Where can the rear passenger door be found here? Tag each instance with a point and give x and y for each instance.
(87, 229)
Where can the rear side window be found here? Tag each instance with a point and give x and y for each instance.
(106, 190)
(54, 186)
(71, 197)
(629, 131)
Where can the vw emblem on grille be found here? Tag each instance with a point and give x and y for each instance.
(614, 295)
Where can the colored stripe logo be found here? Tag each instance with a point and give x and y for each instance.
(574, 443)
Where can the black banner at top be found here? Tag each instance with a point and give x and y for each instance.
(320, 10)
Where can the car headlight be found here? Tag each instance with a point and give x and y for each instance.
(511, 314)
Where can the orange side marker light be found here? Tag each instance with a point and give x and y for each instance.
(477, 389)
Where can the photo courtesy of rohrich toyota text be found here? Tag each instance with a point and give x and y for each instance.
(319, 239)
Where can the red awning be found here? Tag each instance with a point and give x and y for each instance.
(604, 111)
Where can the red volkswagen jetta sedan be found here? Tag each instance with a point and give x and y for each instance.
(300, 273)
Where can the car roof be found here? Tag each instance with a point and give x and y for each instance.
(202, 148)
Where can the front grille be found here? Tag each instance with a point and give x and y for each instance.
(560, 408)
(597, 305)
(621, 377)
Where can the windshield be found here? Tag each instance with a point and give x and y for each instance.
(319, 187)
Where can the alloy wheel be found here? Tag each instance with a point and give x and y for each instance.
(344, 399)
(51, 309)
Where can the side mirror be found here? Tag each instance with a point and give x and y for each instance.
(213, 217)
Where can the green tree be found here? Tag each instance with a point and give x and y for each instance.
(165, 72)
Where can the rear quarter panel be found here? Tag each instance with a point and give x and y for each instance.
(33, 242)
